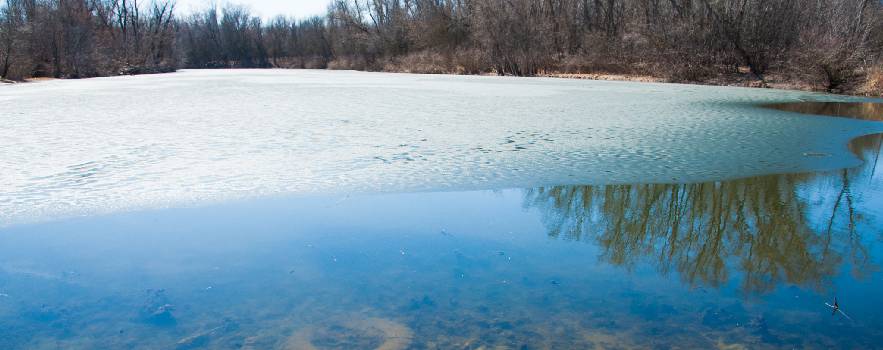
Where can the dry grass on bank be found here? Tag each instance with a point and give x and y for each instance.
(873, 83)
(604, 76)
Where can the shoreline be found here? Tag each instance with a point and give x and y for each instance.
(776, 83)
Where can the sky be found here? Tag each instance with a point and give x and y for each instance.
(263, 8)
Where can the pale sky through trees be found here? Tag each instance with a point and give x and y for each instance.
(264, 8)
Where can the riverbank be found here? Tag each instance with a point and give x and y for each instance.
(868, 84)
(28, 80)
(871, 85)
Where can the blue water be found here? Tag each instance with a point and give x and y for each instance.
(745, 263)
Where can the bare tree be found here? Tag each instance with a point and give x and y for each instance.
(10, 25)
(833, 44)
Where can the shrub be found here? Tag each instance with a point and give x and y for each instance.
(469, 61)
(348, 63)
(426, 62)
(874, 82)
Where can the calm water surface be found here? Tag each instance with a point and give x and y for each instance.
(856, 110)
(729, 264)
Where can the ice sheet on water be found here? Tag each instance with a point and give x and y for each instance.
(101, 145)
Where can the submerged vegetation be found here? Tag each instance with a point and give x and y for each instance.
(832, 45)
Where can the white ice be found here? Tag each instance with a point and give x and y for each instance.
(80, 147)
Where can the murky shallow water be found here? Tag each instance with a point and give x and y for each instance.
(601, 259)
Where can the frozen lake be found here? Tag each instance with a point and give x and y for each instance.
(77, 147)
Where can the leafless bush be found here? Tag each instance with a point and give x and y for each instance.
(469, 61)
(593, 63)
(874, 82)
(420, 62)
(349, 63)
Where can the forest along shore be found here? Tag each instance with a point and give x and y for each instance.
(731, 80)
(825, 45)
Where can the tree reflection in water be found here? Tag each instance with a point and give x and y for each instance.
(857, 110)
(766, 231)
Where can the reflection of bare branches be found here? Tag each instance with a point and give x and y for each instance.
(836, 206)
(849, 205)
(857, 110)
(759, 227)
(876, 156)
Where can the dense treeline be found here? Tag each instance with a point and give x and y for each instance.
(83, 38)
(829, 44)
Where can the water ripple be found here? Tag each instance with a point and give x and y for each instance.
(109, 144)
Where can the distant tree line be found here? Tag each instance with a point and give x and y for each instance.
(835, 44)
